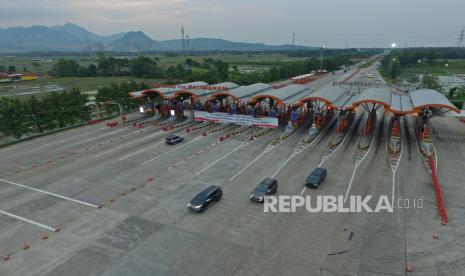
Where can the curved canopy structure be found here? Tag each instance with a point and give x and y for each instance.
(333, 97)
(284, 95)
(242, 91)
(345, 102)
(205, 90)
(381, 96)
(166, 92)
(428, 98)
(400, 104)
(328, 94)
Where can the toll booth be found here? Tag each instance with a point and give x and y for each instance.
(203, 97)
(371, 100)
(282, 103)
(159, 100)
(234, 101)
(345, 111)
(321, 103)
(426, 104)
(232, 107)
(400, 106)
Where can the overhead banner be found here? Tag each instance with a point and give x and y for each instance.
(243, 120)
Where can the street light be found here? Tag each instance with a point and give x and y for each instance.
(322, 56)
(393, 45)
(419, 61)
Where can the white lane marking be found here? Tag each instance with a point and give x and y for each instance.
(67, 138)
(222, 158)
(357, 164)
(299, 151)
(323, 159)
(49, 193)
(29, 221)
(268, 149)
(247, 166)
(128, 144)
(97, 137)
(350, 183)
(394, 171)
(165, 153)
(335, 150)
(142, 150)
(283, 165)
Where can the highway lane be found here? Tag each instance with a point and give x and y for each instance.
(147, 228)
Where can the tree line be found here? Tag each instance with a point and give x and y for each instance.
(36, 115)
(208, 70)
(33, 115)
(119, 93)
(392, 64)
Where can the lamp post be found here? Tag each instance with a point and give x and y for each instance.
(322, 57)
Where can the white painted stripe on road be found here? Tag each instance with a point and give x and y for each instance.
(142, 150)
(293, 154)
(350, 183)
(394, 171)
(29, 221)
(340, 144)
(128, 144)
(145, 149)
(66, 139)
(357, 164)
(220, 159)
(97, 137)
(170, 151)
(49, 193)
(247, 166)
(259, 156)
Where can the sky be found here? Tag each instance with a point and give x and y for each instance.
(332, 23)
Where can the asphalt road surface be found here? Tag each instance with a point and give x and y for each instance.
(59, 182)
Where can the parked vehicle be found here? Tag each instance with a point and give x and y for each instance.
(173, 139)
(316, 177)
(205, 199)
(268, 186)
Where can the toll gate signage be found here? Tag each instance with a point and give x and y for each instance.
(243, 120)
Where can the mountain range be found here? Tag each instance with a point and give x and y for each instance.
(73, 38)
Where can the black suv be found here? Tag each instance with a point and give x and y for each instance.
(205, 198)
(173, 139)
(317, 177)
(268, 186)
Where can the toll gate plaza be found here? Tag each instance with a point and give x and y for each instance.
(111, 200)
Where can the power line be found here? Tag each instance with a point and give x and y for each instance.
(183, 42)
(461, 37)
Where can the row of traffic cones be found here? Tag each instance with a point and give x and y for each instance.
(25, 246)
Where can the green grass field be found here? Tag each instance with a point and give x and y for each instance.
(437, 68)
(44, 64)
(84, 84)
(245, 62)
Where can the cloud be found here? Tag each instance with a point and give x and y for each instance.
(20, 10)
(331, 22)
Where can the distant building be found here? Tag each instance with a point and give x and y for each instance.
(28, 77)
(4, 77)
(449, 82)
